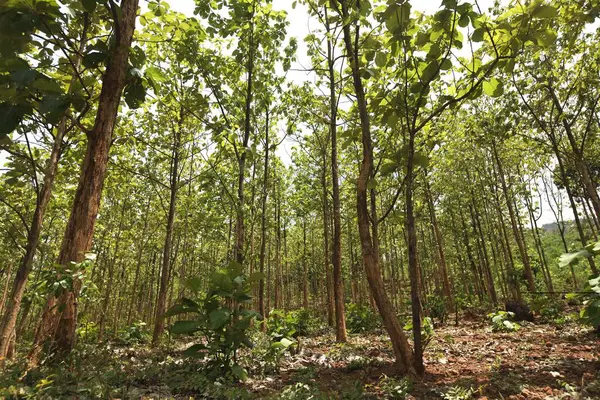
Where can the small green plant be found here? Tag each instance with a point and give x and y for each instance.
(222, 319)
(459, 393)
(394, 388)
(548, 308)
(292, 324)
(135, 333)
(300, 391)
(305, 374)
(427, 331)
(502, 321)
(266, 354)
(361, 318)
(436, 308)
(590, 313)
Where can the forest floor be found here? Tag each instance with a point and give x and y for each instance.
(469, 361)
(466, 361)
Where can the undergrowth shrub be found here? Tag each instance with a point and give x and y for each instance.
(221, 318)
(436, 308)
(268, 354)
(502, 321)
(395, 388)
(361, 318)
(293, 324)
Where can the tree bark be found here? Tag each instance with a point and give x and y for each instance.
(402, 350)
(513, 222)
(57, 328)
(159, 321)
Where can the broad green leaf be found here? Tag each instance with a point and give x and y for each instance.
(10, 117)
(493, 87)
(89, 5)
(239, 372)
(195, 350)
(183, 327)
(218, 318)
(544, 11)
(256, 276)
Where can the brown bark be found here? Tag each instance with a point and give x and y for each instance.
(161, 301)
(239, 225)
(263, 226)
(338, 279)
(57, 328)
(327, 259)
(439, 238)
(513, 222)
(402, 350)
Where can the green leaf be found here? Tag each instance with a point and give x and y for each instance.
(183, 327)
(195, 350)
(573, 258)
(135, 94)
(89, 5)
(178, 309)
(218, 318)
(430, 72)
(493, 87)
(47, 85)
(93, 59)
(155, 74)
(255, 277)
(194, 284)
(10, 117)
(380, 59)
(239, 372)
(544, 11)
(545, 38)
(24, 76)
(235, 269)
(421, 159)
(221, 280)
(477, 35)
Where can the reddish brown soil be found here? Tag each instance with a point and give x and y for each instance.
(539, 361)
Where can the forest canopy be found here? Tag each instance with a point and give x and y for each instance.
(222, 181)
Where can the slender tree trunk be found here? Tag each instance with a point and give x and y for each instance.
(511, 213)
(239, 226)
(440, 246)
(402, 350)
(58, 324)
(304, 267)
(111, 273)
(263, 226)
(338, 279)
(161, 301)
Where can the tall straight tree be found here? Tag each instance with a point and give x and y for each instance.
(59, 319)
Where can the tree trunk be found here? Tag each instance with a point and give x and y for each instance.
(402, 350)
(440, 246)
(239, 225)
(58, 324)
(159, 321)
(263, 226)
(513, 222)
(338, 279)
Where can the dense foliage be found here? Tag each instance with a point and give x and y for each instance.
(198, 172)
